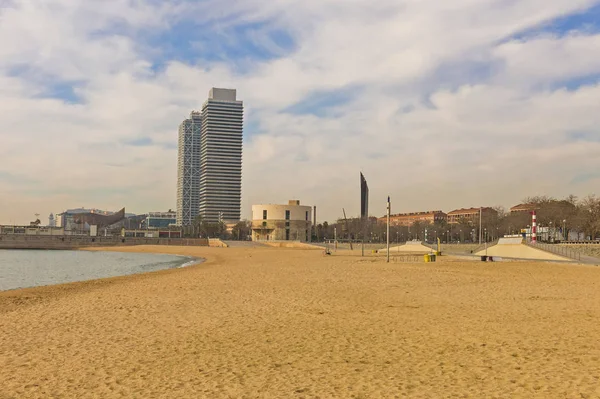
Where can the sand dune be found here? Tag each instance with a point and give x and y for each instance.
(281, 323)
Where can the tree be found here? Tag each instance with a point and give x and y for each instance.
(589, 216)
(213, 230)
(241, 230)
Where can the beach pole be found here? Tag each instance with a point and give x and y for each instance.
(480, 209)
(533, 227)
(335, 238)
(388, 228)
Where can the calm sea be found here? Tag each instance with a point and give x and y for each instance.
(24, 268)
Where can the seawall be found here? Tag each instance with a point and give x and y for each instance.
(9, 241)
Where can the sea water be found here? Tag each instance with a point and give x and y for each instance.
(32, 268)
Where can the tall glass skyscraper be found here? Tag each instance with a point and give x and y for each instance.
(215, 156)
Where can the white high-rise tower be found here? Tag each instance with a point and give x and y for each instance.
(221, 156)
(209, 174)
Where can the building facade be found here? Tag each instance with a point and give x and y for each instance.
(470, 215)
(281, 222)
(528, 208)
(160, 220)
(221, 157)
(209, 169)
(188, 169)
(409, 219)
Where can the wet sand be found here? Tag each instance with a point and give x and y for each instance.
(280, 323)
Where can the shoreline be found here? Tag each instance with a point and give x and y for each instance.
(188, 261)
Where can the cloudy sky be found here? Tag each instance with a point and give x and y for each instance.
(442, 104)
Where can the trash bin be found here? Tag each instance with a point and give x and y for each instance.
(483, 258)
(438, 253)
(432, 258)
(427, 258)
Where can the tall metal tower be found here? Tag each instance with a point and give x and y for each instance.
(188, 169)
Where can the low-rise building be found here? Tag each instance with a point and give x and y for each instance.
(409, 219)
(470, 215)
(272, 222)
(160, 220)
(523, 208)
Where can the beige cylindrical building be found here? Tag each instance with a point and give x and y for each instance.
(290, 222)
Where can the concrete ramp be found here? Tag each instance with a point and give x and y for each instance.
(510, 240)
(520, 251)
(409, 247)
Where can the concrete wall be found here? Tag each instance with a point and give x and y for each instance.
(269, 230)
(277, 212)
(74, 242)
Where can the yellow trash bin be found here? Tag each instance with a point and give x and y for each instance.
(438, 253)
(426, 258)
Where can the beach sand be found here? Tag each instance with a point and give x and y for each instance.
(286, 323)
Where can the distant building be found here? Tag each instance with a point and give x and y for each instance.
(81, 219)
(51, 220)
(221, 157)
(160, 220)
(470, 215)
(523, 208)
(408, 219)
(188, 169)
(209, 166)
(281, 222)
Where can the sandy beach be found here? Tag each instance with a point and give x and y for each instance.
(281, 323)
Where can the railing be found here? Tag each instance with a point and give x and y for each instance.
(560, 250)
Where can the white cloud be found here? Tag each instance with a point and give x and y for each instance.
(429, 139)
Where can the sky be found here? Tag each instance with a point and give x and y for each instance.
(441, 105)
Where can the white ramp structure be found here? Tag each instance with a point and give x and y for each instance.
(515, 248)
(409, 247)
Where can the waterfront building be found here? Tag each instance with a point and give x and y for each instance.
(221, 157)
(188, 169)
(470, 215)
(81, 219)
(160, 220)
(409, 219)
(281, 222)
(527, 208)
(209, 175)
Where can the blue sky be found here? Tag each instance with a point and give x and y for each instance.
(412, 93)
